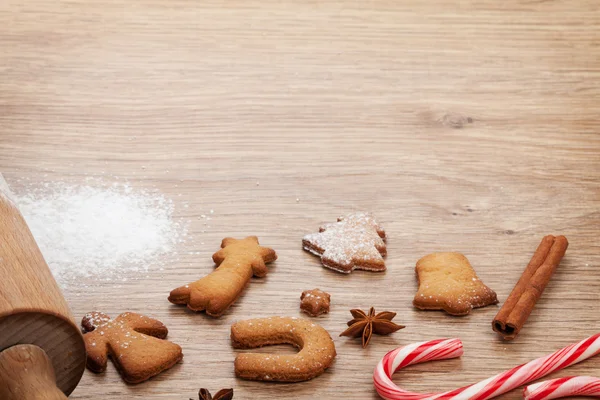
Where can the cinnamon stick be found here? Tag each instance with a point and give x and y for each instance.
(515, 311)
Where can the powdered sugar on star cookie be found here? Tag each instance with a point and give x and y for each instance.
(356, 241)
(315, 302)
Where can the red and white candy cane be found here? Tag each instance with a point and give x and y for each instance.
(563, 387)
(450, 348)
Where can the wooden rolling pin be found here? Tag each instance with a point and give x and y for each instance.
(42, 354)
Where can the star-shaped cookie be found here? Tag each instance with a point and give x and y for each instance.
(315, 302)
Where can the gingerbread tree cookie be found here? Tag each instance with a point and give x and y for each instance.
(237, 261)
(356, 241)
(134, 342)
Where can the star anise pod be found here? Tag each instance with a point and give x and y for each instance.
(223, 394)
(365, 325)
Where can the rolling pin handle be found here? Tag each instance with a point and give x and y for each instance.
(26, 373)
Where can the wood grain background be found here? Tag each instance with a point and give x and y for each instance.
(469, 126)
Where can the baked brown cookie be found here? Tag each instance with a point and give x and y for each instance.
(315, 302)
(316, 354)
(448, 282)
(237, 261)
(134, 342)
(356, 241)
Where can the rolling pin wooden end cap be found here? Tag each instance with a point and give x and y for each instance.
(26, 373)
(57, 338)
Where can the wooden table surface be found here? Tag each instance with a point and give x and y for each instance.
(466, 126)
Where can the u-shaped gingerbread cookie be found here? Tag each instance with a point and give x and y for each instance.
(316, 354)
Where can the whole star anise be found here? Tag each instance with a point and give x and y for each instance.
(223, 394)
(366, 324)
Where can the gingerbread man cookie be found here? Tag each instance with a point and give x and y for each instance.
(134, 342)
(316, 354)
(448, 282)
(237, 262)
(356, 241)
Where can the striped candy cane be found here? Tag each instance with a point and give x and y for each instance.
(450, 348)
(563, 387)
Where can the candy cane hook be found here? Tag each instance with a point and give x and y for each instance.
(563, 387)
(450, 348)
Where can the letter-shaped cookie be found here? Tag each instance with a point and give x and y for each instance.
(316, 354)
(237, 261)
(448, 282)
(134, 342)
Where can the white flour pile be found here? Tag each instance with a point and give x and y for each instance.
(106, 232)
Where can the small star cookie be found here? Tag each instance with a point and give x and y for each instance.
(315, 302)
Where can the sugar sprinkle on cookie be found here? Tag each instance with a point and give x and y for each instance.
(355, 241)
(315, 302)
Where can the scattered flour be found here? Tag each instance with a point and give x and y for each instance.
(99, 230)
